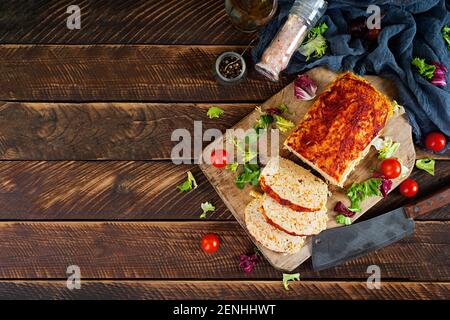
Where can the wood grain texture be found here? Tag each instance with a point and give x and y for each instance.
(236, 200)
(162, 250)
(423, 153)
(103, 190)
(90, 190)
(124, 22)
(93, 131)
(223, 290)
(117, 73)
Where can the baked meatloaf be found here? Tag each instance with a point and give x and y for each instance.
(336, 133)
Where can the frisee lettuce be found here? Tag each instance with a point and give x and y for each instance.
(214, 112)
(189, 184)
(426, 164)
(446, 35)
(283, 124)
(206, 207)
(316, 44)
(386, 148)
(425, 70)
(263, 122)
(358, 192)
(290, 277)
(397, 109)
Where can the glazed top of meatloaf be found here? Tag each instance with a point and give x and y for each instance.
(340, 125)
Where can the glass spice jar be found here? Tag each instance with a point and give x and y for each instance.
(230, 68)
(250, 15)
(303, 15)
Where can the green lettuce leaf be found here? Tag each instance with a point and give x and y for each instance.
(358, 192)
(189, 184)
(397, 109)
(446, 35)
(232, 166)
(316, 44)
(283, 108)
(248, 154)
(386, 148)
(214, 112)
(206, 207)
(250, 175)
(341, 219)
(290, 277)
(263, 122)
(426, 164)
(283, 124)
(425, 70)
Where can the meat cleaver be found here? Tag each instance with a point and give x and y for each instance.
(335, 246)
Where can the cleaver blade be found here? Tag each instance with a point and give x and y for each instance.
(335, 246)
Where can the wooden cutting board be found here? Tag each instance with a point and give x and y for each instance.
(236, 199)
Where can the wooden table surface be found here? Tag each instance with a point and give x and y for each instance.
(86, 177)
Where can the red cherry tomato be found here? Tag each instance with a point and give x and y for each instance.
(219, 158)
(409, 188)
(210, 243)
(435, 141)
(391, 168)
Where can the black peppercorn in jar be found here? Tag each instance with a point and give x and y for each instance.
(230, 68)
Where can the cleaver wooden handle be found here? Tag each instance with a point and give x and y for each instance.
(435, 201)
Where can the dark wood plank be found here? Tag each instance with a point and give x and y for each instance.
(92, 131)
(102, 190)
(223, 290)
(77, 190)
(124, 21)
(153, 250)
(117, 73)
(423, 153)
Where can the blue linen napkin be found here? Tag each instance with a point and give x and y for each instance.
(410, 28)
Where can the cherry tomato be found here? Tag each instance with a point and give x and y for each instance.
(409, 188)
(391, 168)
(210, 243)
(219, 158)
(435, 141)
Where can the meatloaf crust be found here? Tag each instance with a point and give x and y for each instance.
(337, 131)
